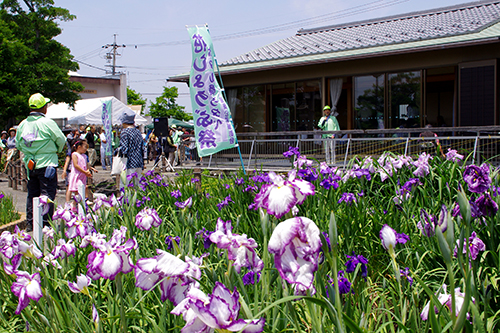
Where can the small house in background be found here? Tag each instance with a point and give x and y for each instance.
(437, 66)
(104, 86)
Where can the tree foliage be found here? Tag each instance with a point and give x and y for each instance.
(31, 60)
(135, 98)
(166, 106)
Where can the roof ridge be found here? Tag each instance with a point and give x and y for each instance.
(467, 5)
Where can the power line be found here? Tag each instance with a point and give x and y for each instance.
(374, 5)
(89, 65)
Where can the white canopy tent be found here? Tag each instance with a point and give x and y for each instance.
(88, 111)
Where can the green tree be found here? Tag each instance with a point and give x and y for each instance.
(135, 98)
(30, 59)
(166, 106)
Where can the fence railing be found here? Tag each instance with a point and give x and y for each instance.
(267, 153)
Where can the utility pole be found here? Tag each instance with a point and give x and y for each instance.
(112, 55)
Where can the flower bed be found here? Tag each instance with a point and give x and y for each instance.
(371, 248)
(8, 211)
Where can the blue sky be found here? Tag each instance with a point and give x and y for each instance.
(154, 31)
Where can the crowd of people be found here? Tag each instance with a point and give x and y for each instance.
(38, 140)
(178, 146)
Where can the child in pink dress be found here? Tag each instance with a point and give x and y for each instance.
(80, 170)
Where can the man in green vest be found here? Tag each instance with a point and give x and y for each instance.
(40, 139)
(329, 123)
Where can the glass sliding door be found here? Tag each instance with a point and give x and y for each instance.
(369, 101)
(309, 107)
(283, 107)
(404, 99)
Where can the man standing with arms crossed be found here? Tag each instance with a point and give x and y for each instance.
(40, 139)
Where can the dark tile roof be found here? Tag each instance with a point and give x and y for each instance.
(441, 22)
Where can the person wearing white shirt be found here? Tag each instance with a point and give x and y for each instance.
(104, 143)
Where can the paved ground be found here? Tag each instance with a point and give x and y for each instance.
(19, 197)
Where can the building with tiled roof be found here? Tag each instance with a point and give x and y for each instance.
(437, 66)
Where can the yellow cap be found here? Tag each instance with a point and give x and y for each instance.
(37, 101)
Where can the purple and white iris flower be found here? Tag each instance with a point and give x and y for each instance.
(296, 244)
(475, 245)
(177, 276)
(64, 249)
(45, 204)
(390, 238)
(100, 200)
(281, 195)
(81, 285)
(79, 225)
(14, 243)
(445, 299)
(240, 248)
(453, 155)
(477, 178)
(184, 204)
(428, 223)
(301, 161)
(218, 311)
(112, 257)
(49, 259)
(48, 232)
(26, 287)
(63, 212)
(422, 165)
(11, 269)
(146, 218)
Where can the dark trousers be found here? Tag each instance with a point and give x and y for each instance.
(39, 185)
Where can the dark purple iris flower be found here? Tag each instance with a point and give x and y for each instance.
(363, 172)
(328, 183)
(194, 180)
(344, 284)
(348, 198)
(176, 194)
(309, 174)
(486, 205)
(251, 278)
(477, 178)
(239, 181)
(456, 210)
(327, 240)
(149, 173)
(495, 190)
(261, 178)
(250, 188)
(406, 274)
(169, 240)
(291, 152)
(224, 202)
(353, 261)
(205, 234)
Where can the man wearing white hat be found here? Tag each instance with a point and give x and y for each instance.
(329, 123)
(40, 139)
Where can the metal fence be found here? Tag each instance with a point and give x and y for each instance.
(267, 154)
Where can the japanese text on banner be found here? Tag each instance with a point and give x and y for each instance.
(214, 128)
(107, 125)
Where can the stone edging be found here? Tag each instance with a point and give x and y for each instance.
(21, 223)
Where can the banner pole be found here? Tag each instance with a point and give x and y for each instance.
(224, 92)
